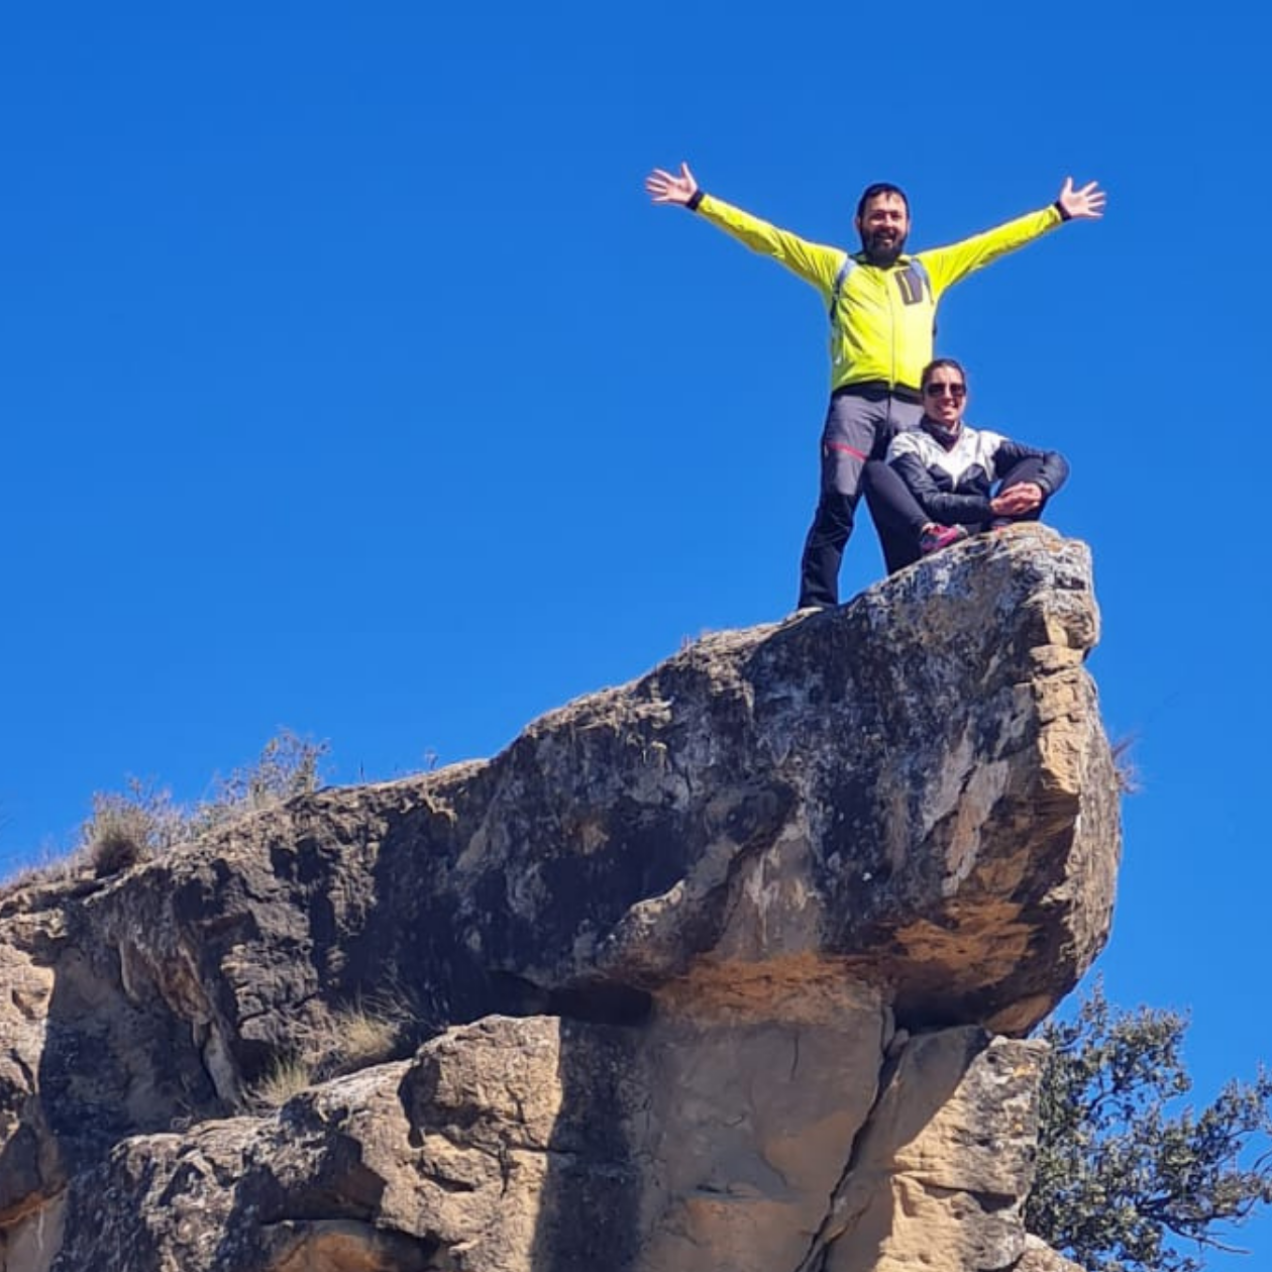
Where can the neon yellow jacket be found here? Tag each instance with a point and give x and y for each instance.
(881, 328)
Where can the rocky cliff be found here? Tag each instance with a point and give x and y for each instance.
(724, 970)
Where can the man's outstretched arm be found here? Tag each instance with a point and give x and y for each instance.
(947, 265)
(813, 262)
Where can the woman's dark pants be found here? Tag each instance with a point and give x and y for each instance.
(899, 517)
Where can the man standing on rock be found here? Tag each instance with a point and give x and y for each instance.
(882, 305)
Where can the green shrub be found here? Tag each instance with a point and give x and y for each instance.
(1127, 1171)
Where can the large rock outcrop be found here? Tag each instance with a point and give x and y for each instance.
(724, 969)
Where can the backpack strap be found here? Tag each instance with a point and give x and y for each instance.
(844, 270)
(919, 270)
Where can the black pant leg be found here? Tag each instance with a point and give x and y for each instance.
(898, 517)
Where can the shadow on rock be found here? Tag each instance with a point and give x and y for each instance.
(590, 1204)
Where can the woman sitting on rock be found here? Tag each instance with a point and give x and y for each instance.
(935, 486)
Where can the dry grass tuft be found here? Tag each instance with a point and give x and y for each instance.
(143, 821)
(53, 868)
(287, 1077)
(1126, 772)
(365, 1037)
(364, 1033)
(130, 827)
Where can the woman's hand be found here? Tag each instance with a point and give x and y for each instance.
(1016, 500)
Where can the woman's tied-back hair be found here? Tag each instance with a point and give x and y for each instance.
(936, 364)
(880, 187)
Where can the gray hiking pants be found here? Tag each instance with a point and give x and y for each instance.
(860, 423)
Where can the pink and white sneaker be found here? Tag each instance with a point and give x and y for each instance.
(934, 538)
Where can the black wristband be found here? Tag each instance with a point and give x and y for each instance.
(1064, 216)
(694, 199)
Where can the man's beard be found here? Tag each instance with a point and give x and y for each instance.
(881, 251)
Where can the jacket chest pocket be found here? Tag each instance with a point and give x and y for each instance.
(912, 284)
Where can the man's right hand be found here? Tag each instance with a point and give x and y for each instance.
(665, 187)
(1086, 204)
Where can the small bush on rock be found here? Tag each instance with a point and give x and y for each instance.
(129, 828)
(143, 821)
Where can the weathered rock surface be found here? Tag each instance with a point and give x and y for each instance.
(940, 1175)
(758, 917)
(1039, 1257)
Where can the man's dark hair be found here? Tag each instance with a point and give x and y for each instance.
(936, 364)
(880, 187)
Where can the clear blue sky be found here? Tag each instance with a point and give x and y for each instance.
(351, 384)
